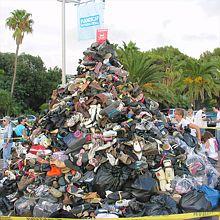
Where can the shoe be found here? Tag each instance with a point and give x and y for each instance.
(109, 108)
(9, 205)
(74, 119)
(55, 171)
(62, 189)
(55, 185)
(169, 172)
(10, 175)
(58, 163)
(160, 174)
(61, 181)
(110, 133)
(96, 86)
(92, 112)
(124, 158)
(55, 193)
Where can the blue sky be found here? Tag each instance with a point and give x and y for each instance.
(193, 26)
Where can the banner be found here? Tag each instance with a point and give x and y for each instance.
(90, 17)
(101, 35)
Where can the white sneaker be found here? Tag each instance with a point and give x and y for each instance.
(110, 133)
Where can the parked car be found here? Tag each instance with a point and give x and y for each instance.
(211, 116)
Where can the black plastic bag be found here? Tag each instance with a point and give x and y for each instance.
(161, 205)
(110, 178)
(144, 182)
(194, 201)
(190, 140)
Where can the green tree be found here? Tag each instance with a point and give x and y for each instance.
(5, 102)
(200, 80)
(34, 82)
(141, 68)
(213, 57)
(19, 22)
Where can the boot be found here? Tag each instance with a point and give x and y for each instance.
(160, 174)
(169, 172)
(55, 171)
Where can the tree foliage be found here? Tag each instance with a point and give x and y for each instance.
(20, 23)
(34, 82)
(171, 77)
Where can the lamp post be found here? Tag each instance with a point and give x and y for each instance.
(64, 37)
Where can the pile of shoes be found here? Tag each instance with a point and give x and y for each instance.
(104, 150)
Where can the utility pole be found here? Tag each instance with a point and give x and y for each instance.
(64, 37)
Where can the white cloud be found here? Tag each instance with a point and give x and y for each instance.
(187, 25)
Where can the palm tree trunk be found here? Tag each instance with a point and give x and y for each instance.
(15, 71)
(218, 100)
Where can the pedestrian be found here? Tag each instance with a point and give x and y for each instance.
(190, 119)
(217, 131)
(210, 147)
(21, 130)
(200, 119)
(183, 123)
(190, 116)
(7, 142)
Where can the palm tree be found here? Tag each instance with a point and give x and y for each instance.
(140, 67)
(144, 71)
(199, 80)
(20, 22)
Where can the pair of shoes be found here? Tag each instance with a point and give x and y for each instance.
(166, 177)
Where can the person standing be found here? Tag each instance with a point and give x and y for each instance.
(190, 116)
(217, 131)
(200, 119)
(183, 123)
(21, 130)
(190, 119)
(7, 141)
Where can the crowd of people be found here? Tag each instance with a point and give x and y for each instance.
(20, 133)
(198, 128)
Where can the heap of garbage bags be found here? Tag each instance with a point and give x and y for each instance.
(105, 150)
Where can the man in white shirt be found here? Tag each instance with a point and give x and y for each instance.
(217, 131)
(200, 119)
(183, 123)
(190, 119)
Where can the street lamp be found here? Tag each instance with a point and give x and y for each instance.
(64, 38)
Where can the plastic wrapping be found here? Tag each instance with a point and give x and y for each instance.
(183, 184)
(195, 201)
(212, 195)
(195, 164)
(24, 206)
(110, 178)
(45, 208)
